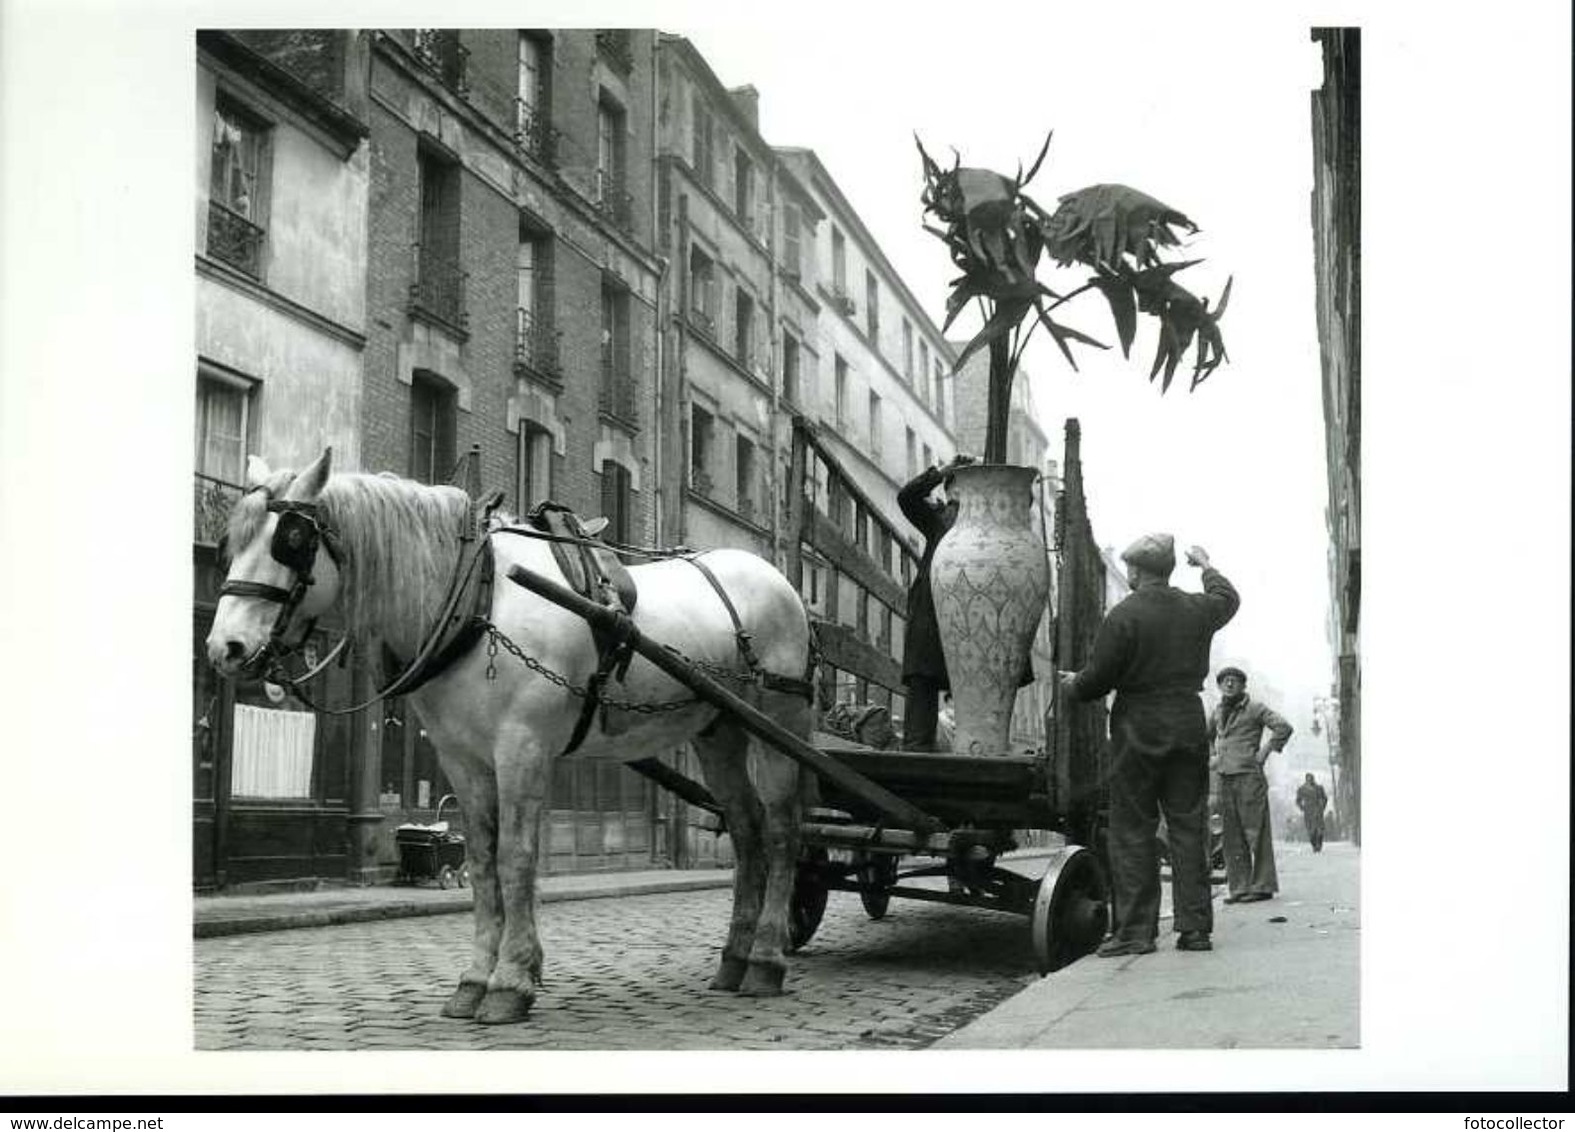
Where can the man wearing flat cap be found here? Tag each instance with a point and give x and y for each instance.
(1244, 733)
(1153, 651)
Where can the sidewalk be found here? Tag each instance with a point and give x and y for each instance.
(235, 915)
(1284, 973)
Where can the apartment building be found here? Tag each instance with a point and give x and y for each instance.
(882, 396)
(513, 296)
(282, 173)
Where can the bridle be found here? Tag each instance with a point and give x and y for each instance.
(297, 535)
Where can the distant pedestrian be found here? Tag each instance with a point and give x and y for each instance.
(1236, 729)
(1153, 650)
(924, 674)
(1312, 800)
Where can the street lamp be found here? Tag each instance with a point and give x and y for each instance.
(1326, 718)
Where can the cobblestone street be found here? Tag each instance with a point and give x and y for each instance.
(621, 974)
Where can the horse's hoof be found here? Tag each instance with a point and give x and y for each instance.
(501, 1007)
(463, 1002)
(764, 980)
(729, 974)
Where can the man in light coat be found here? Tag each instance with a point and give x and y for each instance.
(1244, 733)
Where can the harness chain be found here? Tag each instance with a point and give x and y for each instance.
(495, 636)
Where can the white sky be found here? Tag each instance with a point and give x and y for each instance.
(1217, 126)
(1466, 411)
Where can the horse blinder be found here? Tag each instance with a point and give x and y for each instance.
(295, 539)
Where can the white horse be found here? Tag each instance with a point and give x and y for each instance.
(392, 545)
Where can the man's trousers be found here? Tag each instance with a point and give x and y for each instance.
(1146, 778)
(920, 713)
(1249, 840)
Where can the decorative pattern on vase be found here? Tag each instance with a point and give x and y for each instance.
(990, 577)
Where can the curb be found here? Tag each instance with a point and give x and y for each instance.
(401, 909)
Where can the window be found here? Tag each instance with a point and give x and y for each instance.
(703, 152)
(875, 426)
(702, 435)
(431, 428)
(839, 262)
(237, 187)
(533, 466)
(907, 351)
(744, 328)
(792, 251)
(222, 410)
(617, 392)
(744, 477)
(872, 303)
(924, 370)
(790, 390)
(841, 406)
(929, 458)
(939, 400)
(702, 291)
(536, 343)
(612, 191)
(438, 287)
(533, 105)
(617, 502)
(744, 188)
(440, 51)
(912, 454)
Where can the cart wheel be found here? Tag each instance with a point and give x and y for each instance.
(1072, 910)
(464, 875)
(876, 873)
(446, 877)
(809, 898)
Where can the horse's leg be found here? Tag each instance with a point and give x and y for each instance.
(478, 799)
(523, 766)
(723, 752)
(780, 784)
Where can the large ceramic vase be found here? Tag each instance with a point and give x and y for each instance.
(990, 578)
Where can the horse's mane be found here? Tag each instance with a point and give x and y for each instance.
(400, 541)
(401, 545)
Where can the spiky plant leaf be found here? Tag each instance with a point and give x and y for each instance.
(1003, 321)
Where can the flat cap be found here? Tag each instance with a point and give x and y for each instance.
(1156, 553)
(1230, 670)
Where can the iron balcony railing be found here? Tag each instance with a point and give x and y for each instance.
(613, 200)
(843, 301)
(438, 290)
(618, 392)
(234, 239)
(536, 345)
(212, 500)
(615, 46)
(441, 53)
(533, 134)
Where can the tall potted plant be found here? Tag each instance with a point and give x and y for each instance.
(989, 574)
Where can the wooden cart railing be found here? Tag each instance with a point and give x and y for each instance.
(835, 529)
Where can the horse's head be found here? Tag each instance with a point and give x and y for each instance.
(283, 572)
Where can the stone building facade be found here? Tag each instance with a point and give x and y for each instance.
(282, 173)
(1337, 236)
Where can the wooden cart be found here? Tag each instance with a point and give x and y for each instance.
(887, 819)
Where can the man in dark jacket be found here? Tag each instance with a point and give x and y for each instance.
(1244, 733)
(923, 664)
(1153, 651)
(1312, 800)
